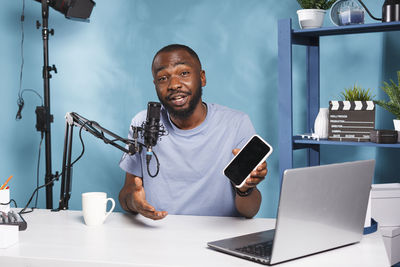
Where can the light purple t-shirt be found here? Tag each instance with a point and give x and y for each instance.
(190, 180)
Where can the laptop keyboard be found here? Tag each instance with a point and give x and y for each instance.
(260, 250)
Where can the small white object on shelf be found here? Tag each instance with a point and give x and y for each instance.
(310, 136)
(321, 123)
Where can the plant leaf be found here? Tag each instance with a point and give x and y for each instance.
(316, 4)
(392, 90)
(356, 93)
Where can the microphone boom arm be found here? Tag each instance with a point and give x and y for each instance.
(74, 119)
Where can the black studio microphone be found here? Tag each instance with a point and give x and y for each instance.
(152, 130)
(152, 126)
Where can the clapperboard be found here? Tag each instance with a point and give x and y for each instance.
(351, 120)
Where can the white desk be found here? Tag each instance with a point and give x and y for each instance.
(58, 239)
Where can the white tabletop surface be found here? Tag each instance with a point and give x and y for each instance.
(62, 239)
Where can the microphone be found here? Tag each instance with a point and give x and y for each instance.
(151, 126)
(151, 130)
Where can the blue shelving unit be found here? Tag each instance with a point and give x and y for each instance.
(287, 37)
(299, 143)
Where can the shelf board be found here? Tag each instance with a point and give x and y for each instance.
(349, 29)
(309, 142)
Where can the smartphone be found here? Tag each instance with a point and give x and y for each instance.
(253, 153)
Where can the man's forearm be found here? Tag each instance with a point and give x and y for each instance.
(126, 192)
(248, 206)
(122, 197)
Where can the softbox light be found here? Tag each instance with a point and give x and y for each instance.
(72, 9)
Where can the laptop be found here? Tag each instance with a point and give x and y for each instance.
(320, 208)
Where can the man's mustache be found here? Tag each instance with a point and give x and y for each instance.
(177, 92)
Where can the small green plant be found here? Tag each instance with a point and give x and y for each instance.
(316, 4)
(393, 91)
(356, 93)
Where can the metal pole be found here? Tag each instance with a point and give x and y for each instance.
(48, 116)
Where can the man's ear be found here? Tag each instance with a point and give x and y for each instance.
(203, 78)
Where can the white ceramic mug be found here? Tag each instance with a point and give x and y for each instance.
(5, 198)
(94, 207)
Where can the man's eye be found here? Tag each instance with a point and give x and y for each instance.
(185, 73)
(161, 79)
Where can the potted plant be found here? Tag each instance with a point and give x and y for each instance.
(312, 13)
(356, 93)
(352, 118)
(393, 105)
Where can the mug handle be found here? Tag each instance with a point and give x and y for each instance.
(112, 207)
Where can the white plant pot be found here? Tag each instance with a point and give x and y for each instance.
(396, 124)
(311, 18)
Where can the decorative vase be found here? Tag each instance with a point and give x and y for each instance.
(396, 124)
(321, 123)
(311, 18)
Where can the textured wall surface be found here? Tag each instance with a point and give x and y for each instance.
(104, 75)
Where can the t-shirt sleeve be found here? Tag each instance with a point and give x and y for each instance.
(132, 163)
(245, 131)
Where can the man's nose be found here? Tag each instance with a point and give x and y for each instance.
(174, 83)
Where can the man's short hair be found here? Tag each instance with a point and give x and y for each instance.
(174, 47)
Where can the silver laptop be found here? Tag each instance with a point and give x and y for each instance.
(320, 208)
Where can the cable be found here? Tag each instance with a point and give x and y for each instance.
(57, 175)
(9, 202)
(20, 100)
(148, 164)
(22, 47)
(369, 13)
(83, 145)
(34, 192)
(33, 91)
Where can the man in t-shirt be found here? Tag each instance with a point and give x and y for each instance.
(202, 138)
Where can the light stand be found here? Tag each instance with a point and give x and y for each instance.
(78, 9)
(43, 115)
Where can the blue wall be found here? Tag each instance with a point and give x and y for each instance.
(104, 75)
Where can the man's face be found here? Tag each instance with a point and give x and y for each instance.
(179, 80)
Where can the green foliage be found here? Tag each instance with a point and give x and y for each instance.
(316, 4)
(393, 91)
(356, 93)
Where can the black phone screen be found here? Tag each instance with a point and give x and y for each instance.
(247, 159)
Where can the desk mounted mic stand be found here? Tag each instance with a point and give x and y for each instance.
(74, 119)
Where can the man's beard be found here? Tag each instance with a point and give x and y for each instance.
(182, 113)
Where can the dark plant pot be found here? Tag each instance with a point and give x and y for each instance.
(351, 120)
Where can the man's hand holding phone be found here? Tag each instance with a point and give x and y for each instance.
(248, 167)
(256, 176)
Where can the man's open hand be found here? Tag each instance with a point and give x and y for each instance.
(135, 200)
